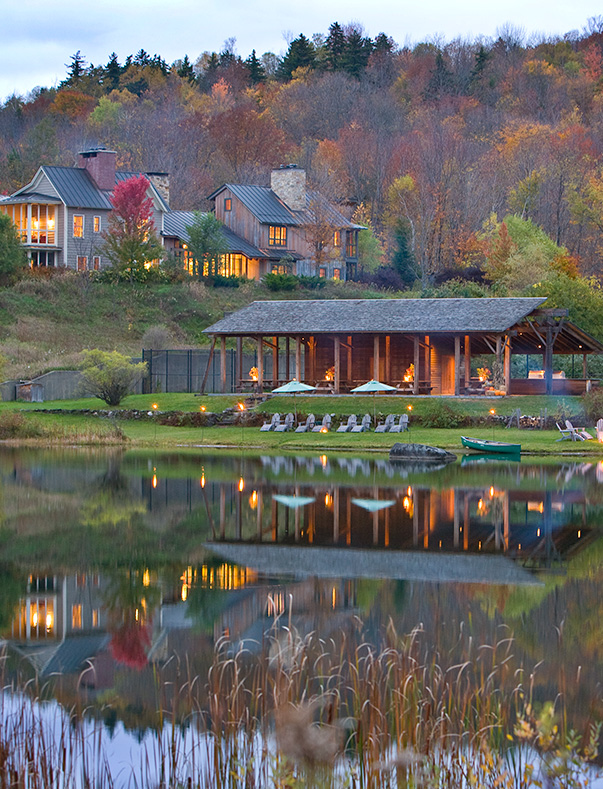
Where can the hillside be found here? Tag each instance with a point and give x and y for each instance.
(46, 322)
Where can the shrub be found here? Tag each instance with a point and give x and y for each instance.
(15, 425)
(438, 413)
(157, 337)
(312, 283)
(276, 282)
(220, 281)
(593, 404)
(110, 376)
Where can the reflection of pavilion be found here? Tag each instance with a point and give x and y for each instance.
(409, 532)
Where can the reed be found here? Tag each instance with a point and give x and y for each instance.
(302, 711)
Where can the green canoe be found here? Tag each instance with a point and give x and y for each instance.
(484, 445)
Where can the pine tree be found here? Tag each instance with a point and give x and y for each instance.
(299, 55)
(257, 72)
(112, 73)
(186, 71)
(357, 52)
(403, 259)
(441, 81)
(76, 70)
(335, 45)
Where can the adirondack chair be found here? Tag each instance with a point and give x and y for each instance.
(307, 426)
(401, 426)
(565, 433)
(345, 427)
(364, 426)
(385, 427)
(600, 430)
(324, 426)
(276, 419)
(578, 433)
(286, 425)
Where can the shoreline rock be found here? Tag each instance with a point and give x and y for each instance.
(420, 452)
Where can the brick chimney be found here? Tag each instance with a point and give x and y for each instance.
(289, 183)
(100, 163)
(161, 182)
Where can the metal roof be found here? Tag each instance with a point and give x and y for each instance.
(176, 222)
(29, 197)
(376, 315)
(76, 187)
(271, 210)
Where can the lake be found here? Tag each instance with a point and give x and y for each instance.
(124, 574)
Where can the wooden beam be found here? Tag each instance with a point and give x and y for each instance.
(239, 367)
(548, 361)
(260, 364)
(507, 365)
(388, 361)
(376, 357)
(467, 361)
(287, 355)
(209, 361)
(417, 364)
(275, 362)
(298, 350)
(336, 365)
(349, 375)
(457, 365)
(223, 364)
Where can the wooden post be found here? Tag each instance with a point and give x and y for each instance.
(584, 366)
(223, 363)
(376, 357)
(287, 354)
(498, 358)
(258, 515)
(275, 362)
(298, 350)
(507, 365)
(427, 361)
(349, 375)
(388, 361)
(548, 361)
(457, 365)
(417, 364)
(260, 364)
(239, 364)
(467, 361)
(456, 494)
(209, 361)
(336, 515)
(337, 366)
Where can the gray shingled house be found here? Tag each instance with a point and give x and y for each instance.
(295, 229)
(421, 346)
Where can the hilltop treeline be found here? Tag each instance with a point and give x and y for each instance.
(437, 143)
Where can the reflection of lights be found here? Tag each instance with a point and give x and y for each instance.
(241, 485)
(409, 491)
(480, 506)
(137, 614)
(479, 546)
(519, 547)
(328, 500)
(253, 499)
(538, 533)
(491, 491)
(334, 597)
(49, 621)
(323, 460)
(202, 481)
(34, 619)
(154, 482)
(579, 533)
(146, 578)
(536, 506)
(184, 593)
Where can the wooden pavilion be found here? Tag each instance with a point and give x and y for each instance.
(421, 346)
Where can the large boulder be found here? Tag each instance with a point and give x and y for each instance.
(422, 452)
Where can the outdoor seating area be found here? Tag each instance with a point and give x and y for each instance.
(352, 424)
(574, 433)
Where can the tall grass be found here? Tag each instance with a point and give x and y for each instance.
(315, 713)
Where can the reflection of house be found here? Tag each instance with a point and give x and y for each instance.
(382, 338)
(293, 229)
(61, 214)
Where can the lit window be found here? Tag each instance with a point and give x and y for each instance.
(95, 617)
(227, 204)
(336, 273)
(277, 236)
(322, 272)
(76, 616)
(96, 262)
(78, 226)
(337, 238)
(351, 249)
(82, 263)
(96, 224)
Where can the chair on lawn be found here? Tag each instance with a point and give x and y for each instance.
(385, 427)
(307, 426)
(276, 419)
(600, 430)
(364, 426)
(346, 427)
(565, 433)
(286, 425)
(578, 433)
(401, 426)
(324, 426)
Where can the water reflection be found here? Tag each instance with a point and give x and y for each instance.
(113, 562)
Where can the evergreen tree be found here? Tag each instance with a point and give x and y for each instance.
(186, 71)
(257, 72)
(76, 70)
(142, 58)
(383, 45)
(403, 259)
(335, 45)
(357, 52)
(441, 82)
(299, 55)
(112, 73)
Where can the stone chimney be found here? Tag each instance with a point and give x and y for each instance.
(100, 163)
(289, 183)
(161, 182)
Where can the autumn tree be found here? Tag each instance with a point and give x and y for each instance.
(130, 243)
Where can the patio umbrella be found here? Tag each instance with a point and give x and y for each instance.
(293, 387)
(372, 387)
(293, 502)
(373, 505)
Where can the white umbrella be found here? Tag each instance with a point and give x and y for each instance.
(293, 502)
(293, 387)
(372, 387)
(373, 505)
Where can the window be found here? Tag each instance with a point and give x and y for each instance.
(336, 273)
(82, 263)
(41, 259)
(96, 262)
(277, 268)
(227, 204)
(76, 616)
(351, 247)
(322, 272)
(78, 226)
(337, 238)
(40, 222)
(277, 236)
(96, 224)
(95, 617)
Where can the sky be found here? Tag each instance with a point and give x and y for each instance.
(37, 37)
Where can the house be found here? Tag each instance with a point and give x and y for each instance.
(61, 214)
(421, 346)
(294, 229)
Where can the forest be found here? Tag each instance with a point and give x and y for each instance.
(475, 163)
